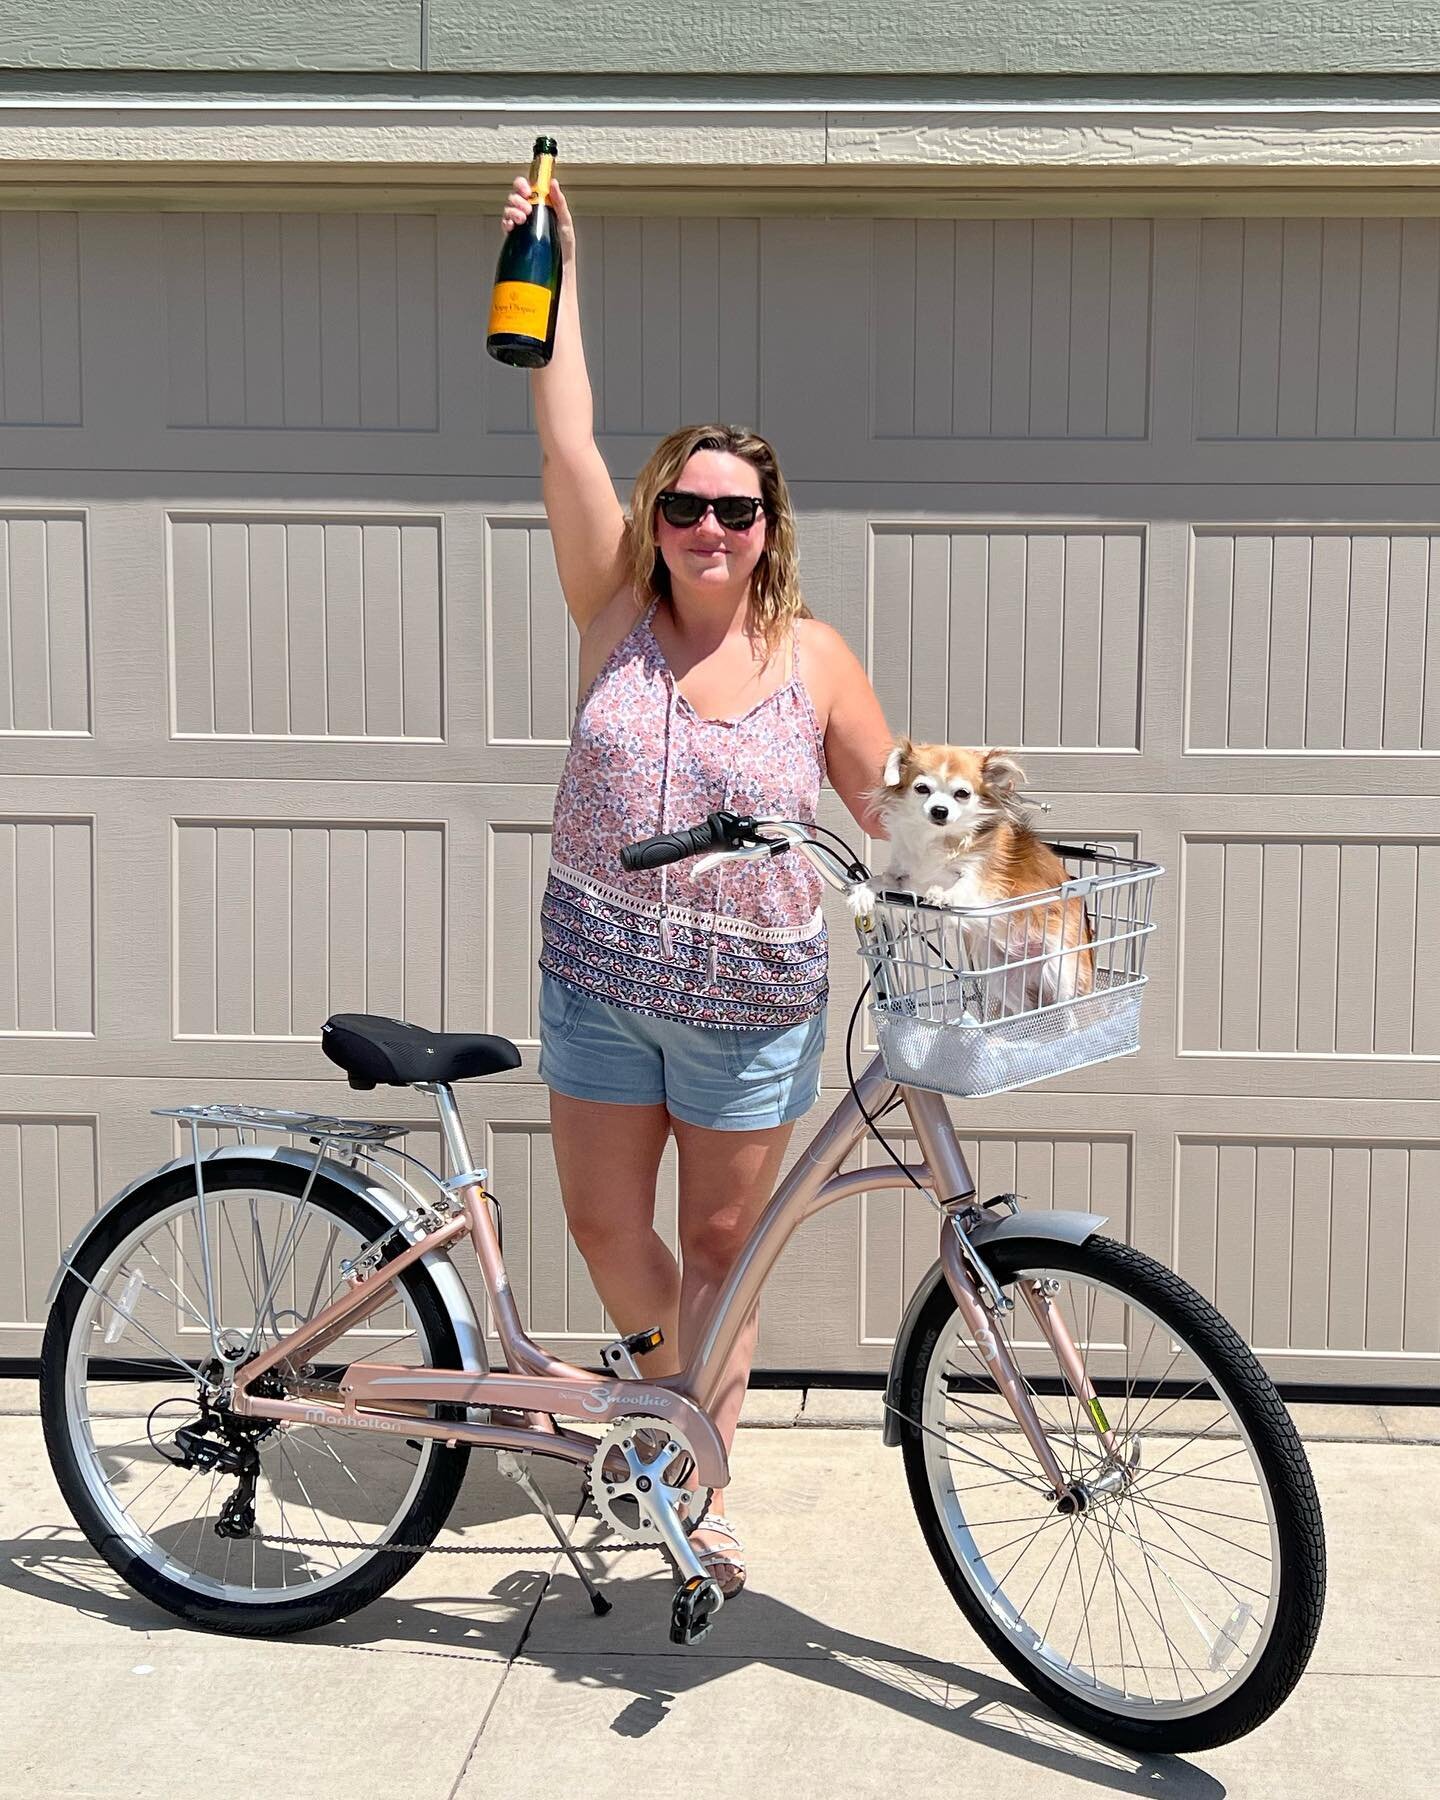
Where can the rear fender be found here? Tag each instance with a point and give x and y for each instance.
(437, 1264)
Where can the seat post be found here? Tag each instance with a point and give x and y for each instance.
(450, 1123)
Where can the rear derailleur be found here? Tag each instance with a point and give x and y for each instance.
(222, 1441)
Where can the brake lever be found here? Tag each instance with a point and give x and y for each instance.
(745, 853)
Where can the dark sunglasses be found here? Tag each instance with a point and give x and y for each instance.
(736, 512)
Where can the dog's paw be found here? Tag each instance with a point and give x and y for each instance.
(861, 901)
(941, 894)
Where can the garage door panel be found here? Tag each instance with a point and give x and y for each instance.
(39, 320)
(1023, 636)
(1318, 328)
(1147, 500)
(534, 646)
(1314, 640)
(47, 926)
(44, 624)
(1338, 1218)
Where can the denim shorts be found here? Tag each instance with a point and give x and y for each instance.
(724, 1079)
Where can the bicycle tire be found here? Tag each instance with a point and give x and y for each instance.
(1231, 1368)
(434, 1492)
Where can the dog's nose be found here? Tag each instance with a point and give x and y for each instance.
(939, 813)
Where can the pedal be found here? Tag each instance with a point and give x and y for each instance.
(619, 1357)
(692, 1612)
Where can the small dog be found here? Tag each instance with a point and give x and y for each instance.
(959, 837)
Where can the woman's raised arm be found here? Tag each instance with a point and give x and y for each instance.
(587, 523)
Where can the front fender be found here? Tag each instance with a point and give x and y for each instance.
(437, 1264)
(1064, 1227)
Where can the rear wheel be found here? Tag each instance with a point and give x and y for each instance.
(1179, 1606)
(198, 1508)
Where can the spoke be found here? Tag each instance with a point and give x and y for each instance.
(1210, 1512)
(1148, 1547)
(1205, 1531)
(325, 1256)
(1027, 1537)
(304, 1443)
(200, 1523)
(184, 1489)
(262, 1274)
(240, 1255)
(1150, 1577)
(375, 1443)
(1064, 1575)
(1157, 1621)
(1179, 1399)
(1123, 1611)
(1060, 1545)
(1198, 1473)
(993, 1436)
(1195, 1438)
(298, 1225)
(166, 1275)
(198, 1284)
(130, 1319)
(322, 1529)
(1085, 1600)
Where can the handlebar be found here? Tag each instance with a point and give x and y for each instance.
(727, 835)
(718, 830)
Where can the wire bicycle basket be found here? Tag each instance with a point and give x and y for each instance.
(976, 1000)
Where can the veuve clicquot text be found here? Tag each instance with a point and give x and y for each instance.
(526, 299)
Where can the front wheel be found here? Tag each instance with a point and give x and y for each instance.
(1178, 1607)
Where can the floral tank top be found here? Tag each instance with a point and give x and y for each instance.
(742, 945)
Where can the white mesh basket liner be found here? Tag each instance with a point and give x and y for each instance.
(967, 1058)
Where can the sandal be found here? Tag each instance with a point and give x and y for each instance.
(716, 1557)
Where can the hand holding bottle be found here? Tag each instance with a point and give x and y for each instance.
(520, 203)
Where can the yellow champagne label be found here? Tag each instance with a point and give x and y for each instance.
(522, 307)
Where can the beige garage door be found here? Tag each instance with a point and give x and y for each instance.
(285, 687)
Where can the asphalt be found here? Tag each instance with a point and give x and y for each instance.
(844, 1669)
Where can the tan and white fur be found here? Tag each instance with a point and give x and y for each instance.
(959, 837)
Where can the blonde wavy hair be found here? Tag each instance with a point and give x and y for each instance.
(775, 598)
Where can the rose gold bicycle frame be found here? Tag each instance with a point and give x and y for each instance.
(522, 1401)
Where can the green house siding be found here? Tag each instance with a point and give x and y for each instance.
(211, 34)
(1085, 37)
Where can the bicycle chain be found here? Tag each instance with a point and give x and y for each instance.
(586, 1499)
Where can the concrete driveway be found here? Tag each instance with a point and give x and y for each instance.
(844, 1669)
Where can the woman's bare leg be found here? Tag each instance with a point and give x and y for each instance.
(607, 1157)
(726, 1180)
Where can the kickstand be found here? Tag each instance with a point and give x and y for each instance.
(516, 1467)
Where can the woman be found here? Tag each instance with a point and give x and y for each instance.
(673, 1004)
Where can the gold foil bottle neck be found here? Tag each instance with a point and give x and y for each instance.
(542, 173)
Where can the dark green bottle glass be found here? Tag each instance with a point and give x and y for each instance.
(526, 300)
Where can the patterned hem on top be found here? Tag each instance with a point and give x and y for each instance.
(766, 978)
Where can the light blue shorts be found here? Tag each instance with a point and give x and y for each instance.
(724, 1079)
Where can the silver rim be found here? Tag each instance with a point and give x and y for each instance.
(145, 1320)
(1158, 1599)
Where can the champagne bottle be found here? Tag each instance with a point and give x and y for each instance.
(526, 299)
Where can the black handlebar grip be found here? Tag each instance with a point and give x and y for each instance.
(675, 846)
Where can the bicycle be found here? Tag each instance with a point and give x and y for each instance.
(1104, 1475)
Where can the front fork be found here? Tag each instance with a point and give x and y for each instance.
(955, 1257)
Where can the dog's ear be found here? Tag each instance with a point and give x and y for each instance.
(901, 749)
(1002, 772)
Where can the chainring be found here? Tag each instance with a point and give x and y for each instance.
(638, 1461)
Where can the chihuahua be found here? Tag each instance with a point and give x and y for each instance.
(959, 836)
